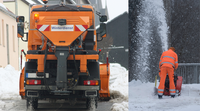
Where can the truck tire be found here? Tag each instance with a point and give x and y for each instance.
(91, 103)
(31, 103)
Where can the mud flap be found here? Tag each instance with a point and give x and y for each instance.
(104, 76)
(21, 85)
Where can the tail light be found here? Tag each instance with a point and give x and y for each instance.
(33, 82)
(91, 82)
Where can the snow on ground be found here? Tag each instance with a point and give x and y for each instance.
(119, 88)
(142, 98)
(9, 86)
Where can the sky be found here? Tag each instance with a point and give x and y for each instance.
(115, 7)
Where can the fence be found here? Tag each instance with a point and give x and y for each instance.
(189, 72)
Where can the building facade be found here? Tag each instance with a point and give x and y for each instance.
(23, 10)
(8, 38)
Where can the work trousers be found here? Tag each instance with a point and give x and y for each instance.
(163, 74)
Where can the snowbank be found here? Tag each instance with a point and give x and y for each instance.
(119, 87)
(9, 79)
(142, 98)
(9, 85)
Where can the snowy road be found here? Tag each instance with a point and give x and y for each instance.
(11, 101)
(20, 105)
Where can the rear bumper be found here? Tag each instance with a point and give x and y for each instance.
(79, 87)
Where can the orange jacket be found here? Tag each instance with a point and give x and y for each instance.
(169, 59)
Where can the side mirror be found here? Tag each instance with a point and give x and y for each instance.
(103, 18)
(20, 26)
(20, 19)
(103, 30)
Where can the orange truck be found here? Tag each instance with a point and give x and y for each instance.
(62, 57)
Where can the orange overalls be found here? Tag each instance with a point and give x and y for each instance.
(168, 62)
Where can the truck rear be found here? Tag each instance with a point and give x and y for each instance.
(62, 57)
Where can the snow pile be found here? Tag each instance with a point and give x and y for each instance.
(9, 85)
(142, 98)
(119, 87)
(30, 2)
(120, 106)
(40, 1)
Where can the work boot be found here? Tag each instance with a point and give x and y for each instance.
(172, 96)
(159, 97)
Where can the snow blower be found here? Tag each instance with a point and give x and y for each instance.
(178, 84)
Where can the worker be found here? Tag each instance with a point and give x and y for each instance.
(168, 63)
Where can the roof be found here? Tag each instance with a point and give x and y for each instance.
(3, 6)
(6, 11)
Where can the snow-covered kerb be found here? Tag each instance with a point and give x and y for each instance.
(151, 13)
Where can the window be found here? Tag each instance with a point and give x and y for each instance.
(3, 35)
(0, 33)
(7, 33)
(13, 34)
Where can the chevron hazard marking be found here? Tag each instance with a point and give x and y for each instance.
(43, 27)
(81, 27)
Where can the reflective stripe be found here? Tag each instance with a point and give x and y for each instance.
(167, 63)
(172, 93)
(176, 62)
(160, 60)
(160, 89)
(172, 90)
(160, 94)
(169, 57)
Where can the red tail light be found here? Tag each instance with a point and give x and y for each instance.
(91, 82)
(33, 82)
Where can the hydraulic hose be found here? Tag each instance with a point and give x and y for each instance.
(76, 76)
(45, 57)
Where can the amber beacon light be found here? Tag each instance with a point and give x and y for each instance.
(36, 16)
(45, 1)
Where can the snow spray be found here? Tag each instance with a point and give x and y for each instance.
(151, 34)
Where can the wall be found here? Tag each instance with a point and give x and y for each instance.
(116, 42)
(23, 10)
(13, 42)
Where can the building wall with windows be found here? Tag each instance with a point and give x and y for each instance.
(23, 10)
(8, 38)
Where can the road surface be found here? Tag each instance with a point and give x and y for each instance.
(20, 105)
